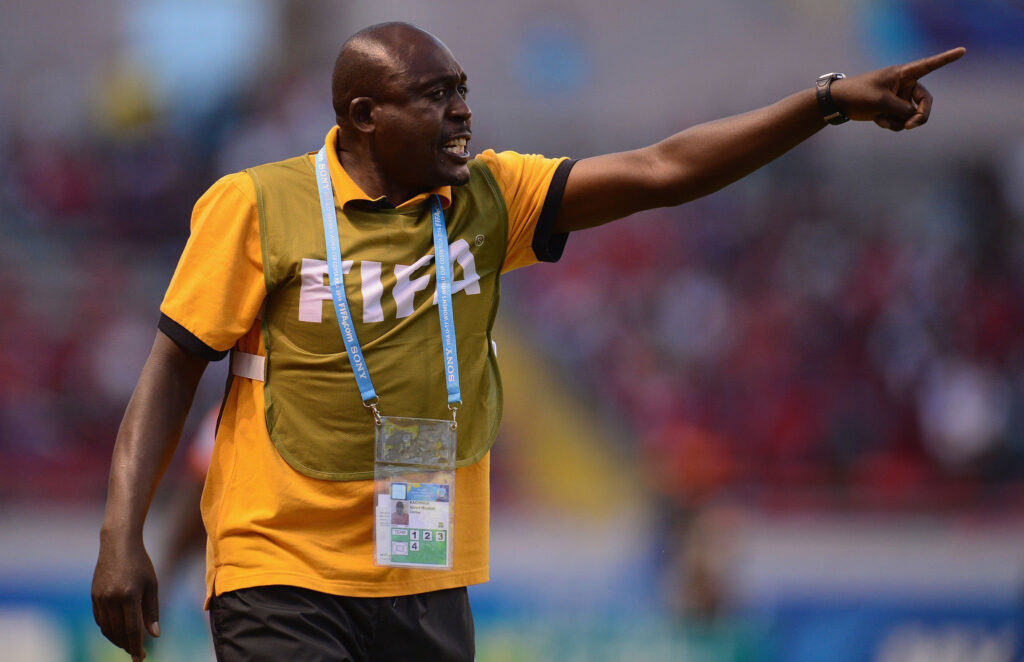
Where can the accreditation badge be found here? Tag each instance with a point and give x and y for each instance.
(414, 500)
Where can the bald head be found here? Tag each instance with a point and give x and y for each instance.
(375, 61)
(400, 100)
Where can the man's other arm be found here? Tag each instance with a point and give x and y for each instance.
(124, 588)
(707, 157)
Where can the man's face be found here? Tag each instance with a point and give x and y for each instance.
(423, 122)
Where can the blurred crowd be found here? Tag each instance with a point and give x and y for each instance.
(807, 339)
(92, 229)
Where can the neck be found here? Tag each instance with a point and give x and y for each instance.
(367, 174)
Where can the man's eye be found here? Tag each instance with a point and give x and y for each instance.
(463, 91)
(439, 93)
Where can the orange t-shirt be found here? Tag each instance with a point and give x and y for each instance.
(266, 522)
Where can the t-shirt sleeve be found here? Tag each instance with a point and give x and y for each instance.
(217, 289)
(532, 186)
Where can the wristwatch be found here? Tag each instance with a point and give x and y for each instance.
(829, 110)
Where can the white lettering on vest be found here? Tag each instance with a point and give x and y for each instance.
(313, 291)
(470, 281)
(406, 289)
(373, 290)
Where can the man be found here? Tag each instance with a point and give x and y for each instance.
(400, 516)
(289, 500)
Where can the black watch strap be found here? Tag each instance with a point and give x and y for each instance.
(829, 110)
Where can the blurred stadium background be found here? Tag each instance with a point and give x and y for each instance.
(783, 423)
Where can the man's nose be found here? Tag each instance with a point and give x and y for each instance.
(460, 109)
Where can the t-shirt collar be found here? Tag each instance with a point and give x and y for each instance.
(346, 190)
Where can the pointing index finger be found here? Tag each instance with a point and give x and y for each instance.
(919, 68)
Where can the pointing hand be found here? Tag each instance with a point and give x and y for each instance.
(893, 98)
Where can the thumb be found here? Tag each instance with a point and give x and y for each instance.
(151, 609)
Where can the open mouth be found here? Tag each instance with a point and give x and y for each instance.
(457, 147)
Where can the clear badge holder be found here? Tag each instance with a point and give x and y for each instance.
(414, 476)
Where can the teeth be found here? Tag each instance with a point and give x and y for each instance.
(456, 145)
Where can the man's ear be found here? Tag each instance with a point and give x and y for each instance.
(360, 113)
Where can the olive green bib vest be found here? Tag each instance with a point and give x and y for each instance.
(314, 414)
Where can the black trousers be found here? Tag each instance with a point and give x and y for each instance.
(292, 624)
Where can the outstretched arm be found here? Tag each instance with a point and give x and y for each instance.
(124, 587)
(707, 157)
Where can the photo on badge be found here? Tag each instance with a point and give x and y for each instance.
(399, 516)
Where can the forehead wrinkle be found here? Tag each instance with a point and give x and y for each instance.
(399, 67)
(422, 55)
(436, 61)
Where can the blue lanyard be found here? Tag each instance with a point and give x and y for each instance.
(348, 331)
